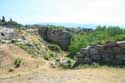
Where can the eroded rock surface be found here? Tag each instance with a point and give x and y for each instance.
(7, 33)
(109, 53)
(58, 36)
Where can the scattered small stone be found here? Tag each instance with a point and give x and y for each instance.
(11, 69)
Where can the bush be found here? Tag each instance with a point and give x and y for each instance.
(18, 62)
(54, 47)
(67, 63)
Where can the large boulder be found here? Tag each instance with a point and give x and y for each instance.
(121, 44)
(112, 53)
(43, 32)
(7, 33)
(110, 44)
(93, 51)
(58, 36)
(84, 51)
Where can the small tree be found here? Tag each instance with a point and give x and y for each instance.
(3, 19)
(10, 20)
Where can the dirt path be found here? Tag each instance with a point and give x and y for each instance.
(95, 75)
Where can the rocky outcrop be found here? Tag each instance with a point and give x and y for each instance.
(111, 53)
(58, 36)
(7, 33)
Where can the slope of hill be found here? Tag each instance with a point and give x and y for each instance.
(14, 58)
(25, 51)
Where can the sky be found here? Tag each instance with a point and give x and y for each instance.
(75, 11)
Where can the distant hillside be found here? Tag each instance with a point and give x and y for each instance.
(70, 24)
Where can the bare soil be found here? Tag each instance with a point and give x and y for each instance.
(9, 53)
(48, 75)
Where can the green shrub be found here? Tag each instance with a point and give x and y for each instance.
(49, 55)
(54, 47)
(18, 62)
(69, 64)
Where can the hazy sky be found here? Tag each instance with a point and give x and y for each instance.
(80, 11)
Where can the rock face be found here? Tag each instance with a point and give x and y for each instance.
(7, 33)
(111, 53)
(58, 36)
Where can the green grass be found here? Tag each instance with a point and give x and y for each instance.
(54, 47)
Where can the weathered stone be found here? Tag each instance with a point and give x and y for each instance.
(108, 50)
(43, 32)
(120, 57)
(109, 53)
(116, 50)
(84, 51)
(107, 57)
(93, 51)
(7, 33)
(59, 36)
(99, 48)
(87, 60)
(96, 57)
(123, 51)
(121, 44)
(80, 60)
(78, 54)
(110, 44)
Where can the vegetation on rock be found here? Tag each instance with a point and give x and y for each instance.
(100, 35)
